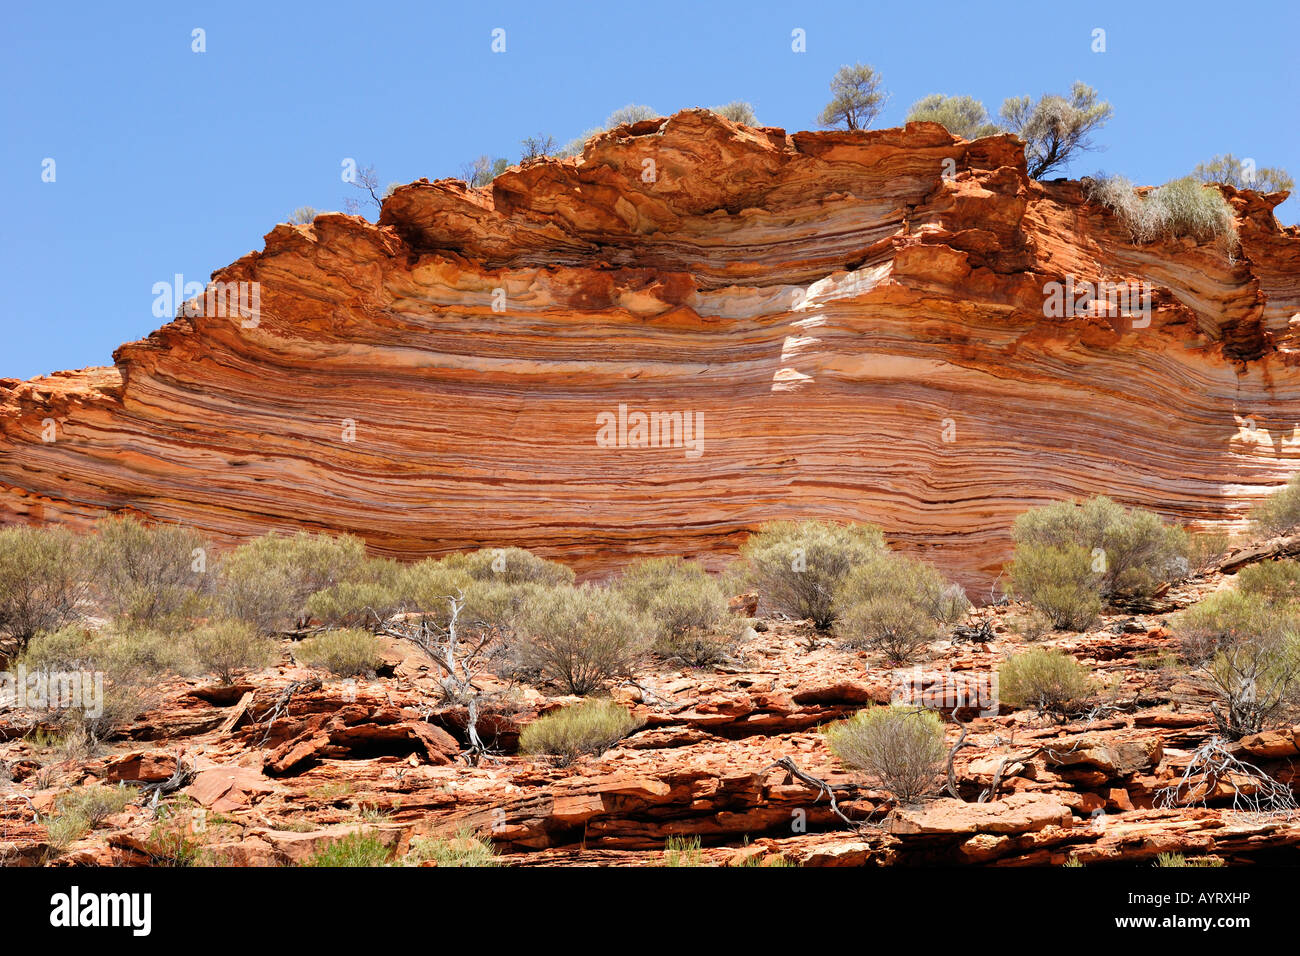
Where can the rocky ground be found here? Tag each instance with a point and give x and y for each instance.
(276, 766)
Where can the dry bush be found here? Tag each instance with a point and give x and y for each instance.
(1051, 681)
(267, 582)
(1180, 208)
(509, 566)
(580, 637)
(347, 653)
(901, 747)
(225, 648)
(1256, 681)
(896, 605)
(149, 575)
(1070, 558)
(798, 566)
(685, 606)
(367, 598)
(591, 727)
(463, 849)
(41, 581)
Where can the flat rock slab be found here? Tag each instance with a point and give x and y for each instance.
(1018, 813)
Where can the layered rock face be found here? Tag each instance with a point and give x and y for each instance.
(692, 329)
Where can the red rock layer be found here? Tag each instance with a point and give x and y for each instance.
(856, 318)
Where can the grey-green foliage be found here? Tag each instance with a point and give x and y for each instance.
(896, 605)
(41, 581)
(738, 112)
(1068, 551)
(798, 566)
(1180, 208)
(149, 574)
(962, 116)
(1243, 174)
(857, 97)
(1055, 128)
(1280, 512)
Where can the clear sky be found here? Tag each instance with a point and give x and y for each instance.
(170, 161)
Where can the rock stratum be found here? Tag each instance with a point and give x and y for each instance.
(852, 323)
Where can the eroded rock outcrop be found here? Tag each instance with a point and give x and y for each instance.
(851, 324)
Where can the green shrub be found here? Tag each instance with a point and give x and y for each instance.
(267, 582)
(1179, 860)
(368, 598)
(65, 829)
(1228, 618)
(357, 849)
(1274, 582)
(1280, 512)
(962, 116)
(685, 606)
(901, 747)
(1051, 681)
(128, 673)
(798, 566)
(580, 636)
(591, 727)
(1059, 582)
(1179, 208)
(509, 566)
(149, 575)
(1067, 554)
(225, 648)
(41, 581)
(347, 653)
(896, 605)
(463, 849)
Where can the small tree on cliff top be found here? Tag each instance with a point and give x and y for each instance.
(857, 98)
(1056, 128)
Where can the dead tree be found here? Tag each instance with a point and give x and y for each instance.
(1253, 791)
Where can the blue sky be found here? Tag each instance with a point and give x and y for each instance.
(170, 161)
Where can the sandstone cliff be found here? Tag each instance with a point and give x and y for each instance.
(852, 324)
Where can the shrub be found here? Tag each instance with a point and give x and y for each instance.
(1274, 582)
(799, 565)
(1258, 680)
(625, 114)
(738, 112)
(303, 215)
(1228, 618)
(1059, 582)
(579, 636)
(227, 647)
(1179, 860)
(357, 849)
(149, 575)
(856, 98)
(463, 849)
(266, 583)
(900, 747)
(368, 598)
(1280, 512)
(509, 566)
(1243, 175)
(170, 842)
(41, 578)
(962, 116)
(347, 653)
(1067, 553)
(1055, 128)
(95, 712)
(1051, 681)
(1179, 208)
(685, 606)
(896, 605)
(591, 727)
